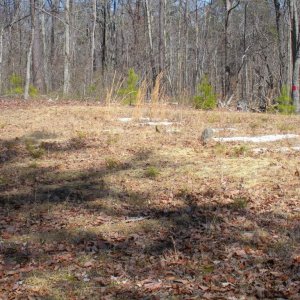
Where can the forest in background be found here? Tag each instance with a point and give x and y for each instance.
(247, 51)
(151, 199)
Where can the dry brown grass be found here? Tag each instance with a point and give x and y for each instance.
(106, 137)
(140, 100)
(95, 165)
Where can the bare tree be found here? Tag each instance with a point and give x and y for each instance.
(92, 63)
(230, 5)
(279, 17)
(67, 57)
(29, 51)
(44, 48)
(54, 10)
(37, 58)
(149, 25)
(295, 47)
(1, 56)
(233, 42)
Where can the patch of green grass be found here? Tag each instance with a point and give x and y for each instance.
(207, 269)
(239, 203)
(281, 248)
(284, 127)
(265, 119)
(151, 172)
(254, 126)
(71, 278)
(240, 150)
(81, 134)
(77, 142)
(220, 149)
(112, 139)
(33, 165)
(234, 119)
(3, 180)
(57, 284)
(213, 119)
(35, 151)
(112, 163)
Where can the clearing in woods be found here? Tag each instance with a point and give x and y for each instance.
(95, 208)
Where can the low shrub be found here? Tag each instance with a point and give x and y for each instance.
(206, 98)
(284, 102)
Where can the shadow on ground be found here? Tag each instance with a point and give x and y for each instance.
(194, 251)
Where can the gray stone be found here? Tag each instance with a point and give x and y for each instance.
(242, 105)
(207, 135)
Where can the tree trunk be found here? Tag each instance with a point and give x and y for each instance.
(160, 34)
(149, 25)
(45, 56)
(29, 53)
(295, 44)
(114, 39)
(67, 49)
(53, 43)
(244, 60)
(92, 62)
(1, 57)
(196, 73)
(104, 33)
(179, 59)
(37, 61)
(186, 42)
(230, 5)
(279, 41)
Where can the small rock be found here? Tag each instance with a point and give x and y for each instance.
(207, 135)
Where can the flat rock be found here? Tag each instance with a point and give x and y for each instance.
(257, 139)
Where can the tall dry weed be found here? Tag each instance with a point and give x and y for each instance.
(157, 110)
(140, 100)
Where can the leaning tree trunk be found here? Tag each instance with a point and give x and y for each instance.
(29, 53)
(67, 49)
(295, 47)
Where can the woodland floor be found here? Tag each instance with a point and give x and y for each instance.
(95, 208)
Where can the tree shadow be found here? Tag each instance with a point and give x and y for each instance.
(169, 252)
(8, 150)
